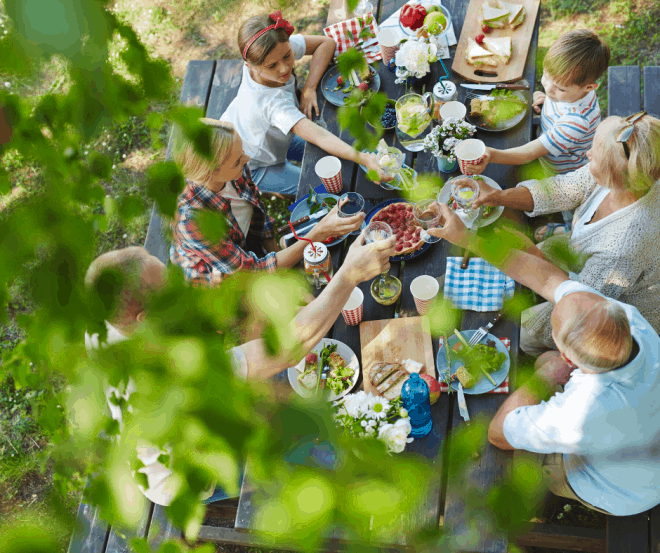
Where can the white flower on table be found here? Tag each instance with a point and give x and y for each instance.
(414, 58)
(395, 435)
(380, 408)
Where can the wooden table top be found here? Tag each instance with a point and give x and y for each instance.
(444, 504)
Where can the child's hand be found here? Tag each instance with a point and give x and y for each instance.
(538, 99)
(479, 167)
(309, 103)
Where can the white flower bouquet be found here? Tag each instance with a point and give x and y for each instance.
(443, 139)
(364, 415)
(414, 59)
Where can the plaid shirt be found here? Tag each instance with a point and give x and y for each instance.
(204, 262)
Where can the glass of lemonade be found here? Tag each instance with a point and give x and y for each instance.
(413, 120)
(427, 214)
(465, 191)
(386, 289)
(390, 160)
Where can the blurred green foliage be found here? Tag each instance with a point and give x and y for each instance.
(189, 400)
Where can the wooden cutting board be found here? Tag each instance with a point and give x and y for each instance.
(520, 39)
(394, 340)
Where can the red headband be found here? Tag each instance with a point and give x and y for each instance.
(279, 24)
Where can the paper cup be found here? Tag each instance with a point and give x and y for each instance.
(328, 169)
(424, 289)
(352, 311)
(389, 40)
(457, 110)
(470, 152)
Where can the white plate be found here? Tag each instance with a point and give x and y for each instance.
(342, 349)
(445, 194)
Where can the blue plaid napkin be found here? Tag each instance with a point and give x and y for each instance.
(480, 287)
(319, 189)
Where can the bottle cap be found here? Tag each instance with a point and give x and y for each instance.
(444, 95)
(309, 252)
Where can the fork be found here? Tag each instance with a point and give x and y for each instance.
(479, 334)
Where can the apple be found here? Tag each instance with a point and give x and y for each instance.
(436, 17)
(434, 387)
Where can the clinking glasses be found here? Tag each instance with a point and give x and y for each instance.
(625, 133)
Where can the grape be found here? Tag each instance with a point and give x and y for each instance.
(388, 119)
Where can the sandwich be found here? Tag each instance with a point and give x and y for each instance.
(476, 55)
(465, 378)
(494, 17)
(501, 47)
(388, 379)
(516, 13)
(308, 377)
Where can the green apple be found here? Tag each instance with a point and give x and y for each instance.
(435, 17)
(432, 9)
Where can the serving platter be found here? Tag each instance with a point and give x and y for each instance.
(445, 196)
(503, 124)
(337, 97)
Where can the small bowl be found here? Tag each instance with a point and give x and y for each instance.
(390, 103)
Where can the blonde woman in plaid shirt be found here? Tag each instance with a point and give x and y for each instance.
(224, 185)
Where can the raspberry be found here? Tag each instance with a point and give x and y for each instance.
(486, 29)
(479, 39)
(311, 358)
(363, 86)
(340, 80)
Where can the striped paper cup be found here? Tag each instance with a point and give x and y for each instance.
(352, 311)
(424, 290)
(470, 152)
(328, 169)
(389, 41)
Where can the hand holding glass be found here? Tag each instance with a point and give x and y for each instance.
(427, 213)
(385, 289)
(349, 205)
(390, 160)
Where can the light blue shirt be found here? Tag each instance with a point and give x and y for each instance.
(606, 425)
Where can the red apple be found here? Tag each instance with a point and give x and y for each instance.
(434, 387)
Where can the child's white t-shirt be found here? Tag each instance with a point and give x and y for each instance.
(264, 116)
(568, 132)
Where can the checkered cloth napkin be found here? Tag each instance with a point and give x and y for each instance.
(480, 287)
(443, 43)
(501, 389)
(369, 45)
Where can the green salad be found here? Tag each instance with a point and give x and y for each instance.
(340, 377)
(480, 360)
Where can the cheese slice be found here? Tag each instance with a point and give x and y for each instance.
(495, 17)
(501, 47)
(513, 9)
(476, 51)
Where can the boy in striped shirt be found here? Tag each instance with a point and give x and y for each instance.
(569, 111)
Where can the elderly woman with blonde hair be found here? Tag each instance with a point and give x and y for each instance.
(223, 184)
(614, 245)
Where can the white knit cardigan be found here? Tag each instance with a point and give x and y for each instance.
(622, 249)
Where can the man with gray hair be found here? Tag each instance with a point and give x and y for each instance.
(599, 436)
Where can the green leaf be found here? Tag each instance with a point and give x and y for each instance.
(212, 225)
(130, 207)
(349, 34)
(314, 208)
(165, 183)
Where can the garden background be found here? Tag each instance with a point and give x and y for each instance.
(176, 32)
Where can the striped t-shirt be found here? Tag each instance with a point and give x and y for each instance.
(568, 131)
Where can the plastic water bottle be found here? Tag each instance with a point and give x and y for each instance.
(415, 397)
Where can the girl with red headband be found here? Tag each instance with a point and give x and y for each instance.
(266, 112)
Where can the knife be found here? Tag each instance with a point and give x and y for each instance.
(496, 86)
(304, 219)
(462, 406)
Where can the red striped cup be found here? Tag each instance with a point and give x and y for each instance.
(352, 311)
(328, 169)
(388, 40)
(424, 289)
(470, 152)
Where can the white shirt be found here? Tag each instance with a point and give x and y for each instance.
(264, 116)
(607, 425)
(240, 208)
(162, 488)
(579, 226)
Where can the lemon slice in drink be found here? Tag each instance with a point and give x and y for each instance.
(466, 194)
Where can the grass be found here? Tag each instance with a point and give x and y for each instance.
(178, 31)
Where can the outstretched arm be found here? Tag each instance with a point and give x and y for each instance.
(313, 321)
(529, 270)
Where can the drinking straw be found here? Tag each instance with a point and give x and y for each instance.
(446, 75)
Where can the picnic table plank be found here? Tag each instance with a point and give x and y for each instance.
(652, 90)
(628, 534)
(195, 91)
(654, 528)
(90, 532)
(161, 528)
(119, 540)
(623, 90)
(226, 80)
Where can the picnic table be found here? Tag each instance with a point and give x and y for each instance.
(444, 503)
